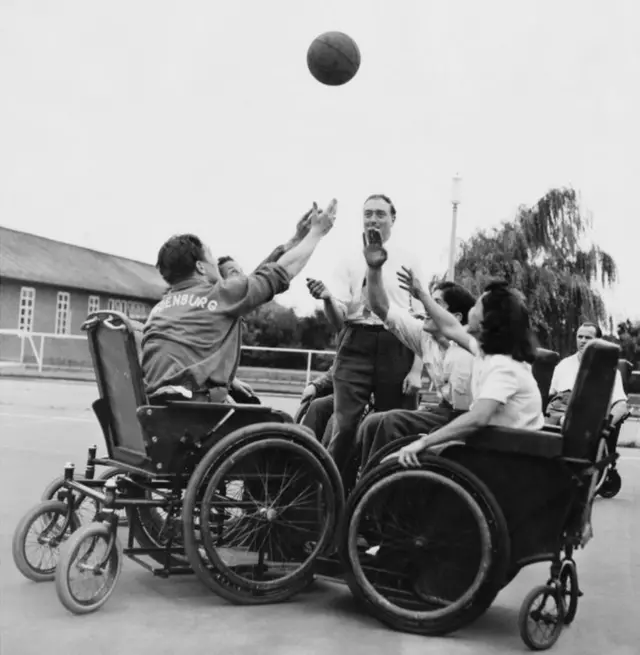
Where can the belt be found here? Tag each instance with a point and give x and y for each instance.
(366, 326)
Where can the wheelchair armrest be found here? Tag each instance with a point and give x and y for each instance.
(556, 429)
(537, 443)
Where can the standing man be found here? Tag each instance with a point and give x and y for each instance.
(370, 359)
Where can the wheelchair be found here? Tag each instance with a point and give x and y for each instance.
(236, 494)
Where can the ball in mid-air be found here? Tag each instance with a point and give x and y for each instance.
(333, 58)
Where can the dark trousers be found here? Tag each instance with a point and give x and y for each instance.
(318, 415)
(369, 360)
(377, 430)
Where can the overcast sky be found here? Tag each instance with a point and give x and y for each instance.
(124, 122)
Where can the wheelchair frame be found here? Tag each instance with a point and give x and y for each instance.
(176, 458)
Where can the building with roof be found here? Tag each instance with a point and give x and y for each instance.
(50, 287)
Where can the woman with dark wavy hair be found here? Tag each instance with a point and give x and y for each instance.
(503, 388)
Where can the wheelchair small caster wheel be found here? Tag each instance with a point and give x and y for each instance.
(541, 617)
(569, 589)
(43, 526)
(612, 484)
(89, 568)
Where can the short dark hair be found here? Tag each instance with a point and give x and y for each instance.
(506, 326)
(595, 326)
(224, 260)
(177, 257)
(381, 196)
(458, 299)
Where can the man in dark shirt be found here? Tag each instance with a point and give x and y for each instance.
(191, 341)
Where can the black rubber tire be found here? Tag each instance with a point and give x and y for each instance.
(67, 559)
(18, 547)
(568, 580)
(496, 571)
(525, 611)
(212, 578)
(611, 485)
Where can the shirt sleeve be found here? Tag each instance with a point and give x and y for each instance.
(499, 382)
(240, 295)
(618, 393)
(407, 328)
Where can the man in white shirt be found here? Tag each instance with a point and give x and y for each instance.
(565, 373)
(370, 358)
(448, 365)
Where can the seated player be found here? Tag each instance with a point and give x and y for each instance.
(448, 365)
(191, 341)
(564, 378)
(499, 336)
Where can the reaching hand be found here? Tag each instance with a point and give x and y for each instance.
(409, 282)
(302, 227)
(318, 289)
(322, 222)
(374, 252)
(408, 456)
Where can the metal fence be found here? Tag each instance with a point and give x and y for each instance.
(44, 350)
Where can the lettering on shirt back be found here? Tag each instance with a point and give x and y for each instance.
(185, 300)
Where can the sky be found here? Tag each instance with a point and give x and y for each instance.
(125, 122)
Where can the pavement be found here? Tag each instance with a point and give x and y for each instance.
(44, 424)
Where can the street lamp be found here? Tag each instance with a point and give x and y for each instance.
(455, 201)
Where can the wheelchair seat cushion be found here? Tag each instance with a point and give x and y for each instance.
(537, 443)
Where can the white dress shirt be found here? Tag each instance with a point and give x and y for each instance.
(449, 368)
(348, 285)
(566, 372)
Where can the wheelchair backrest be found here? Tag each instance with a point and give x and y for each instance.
(114, 352)
(588, 406)
(542, 369)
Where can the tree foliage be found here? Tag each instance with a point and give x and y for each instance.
(544, 252)
(276, 326)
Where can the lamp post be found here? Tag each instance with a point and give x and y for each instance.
(455, 201)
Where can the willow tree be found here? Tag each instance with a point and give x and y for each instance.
(545, 252)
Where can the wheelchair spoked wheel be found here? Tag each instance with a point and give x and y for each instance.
(259, 509)
(425, 549)
(603, 451)
(542, 617)
(45, 526)
(89, 567)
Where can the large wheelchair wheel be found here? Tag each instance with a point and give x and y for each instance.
(38, 536)
(426, 550)
(258, 511)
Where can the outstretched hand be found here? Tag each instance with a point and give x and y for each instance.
(374, 252)
(303, 226)
(322, 221)
(409, 282)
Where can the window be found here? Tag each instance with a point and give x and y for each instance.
(94, 304)
(27, 305)
(63, 313)
(137, 310)
(117, 305)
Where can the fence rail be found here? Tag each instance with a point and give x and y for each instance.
(70, 351)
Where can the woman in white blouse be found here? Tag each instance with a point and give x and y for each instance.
(503, 388)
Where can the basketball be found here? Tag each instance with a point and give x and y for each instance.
(333, 58)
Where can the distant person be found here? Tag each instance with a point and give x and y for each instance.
(191, 341)
(564, 379)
